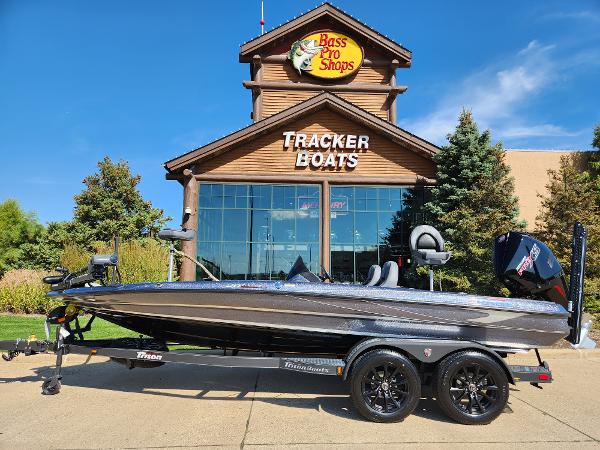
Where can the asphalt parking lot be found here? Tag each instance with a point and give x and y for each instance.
(104, 405)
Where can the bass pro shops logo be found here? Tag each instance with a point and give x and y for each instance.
(150, 356)
(326, 54)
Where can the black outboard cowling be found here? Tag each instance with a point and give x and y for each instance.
(528, 268)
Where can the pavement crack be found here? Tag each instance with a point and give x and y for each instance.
(250, 412)
(555, 418)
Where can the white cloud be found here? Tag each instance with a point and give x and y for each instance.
(545, 130)
(495, 95)
(573, 15)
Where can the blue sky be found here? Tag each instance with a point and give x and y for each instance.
(148, 80)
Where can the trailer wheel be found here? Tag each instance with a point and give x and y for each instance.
(51, 386)
(471, 388)
(385, 386)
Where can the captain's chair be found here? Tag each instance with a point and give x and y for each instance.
(428, 249)
(427, 246)
(373, 276)
(389, 275)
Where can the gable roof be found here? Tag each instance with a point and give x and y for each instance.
(248, 49)
(307, 107)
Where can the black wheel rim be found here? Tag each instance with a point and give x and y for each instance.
(473, 390)
(385, 388)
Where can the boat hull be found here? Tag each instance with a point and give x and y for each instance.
(317, 318)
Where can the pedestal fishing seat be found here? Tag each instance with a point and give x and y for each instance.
(427, 247)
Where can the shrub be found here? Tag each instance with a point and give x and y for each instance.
(142, 260)
(74, 257)
(22, 291)
(591, 288)
(139, 260)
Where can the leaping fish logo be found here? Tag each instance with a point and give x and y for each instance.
(302, 53)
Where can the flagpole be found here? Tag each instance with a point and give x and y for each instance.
(262, 17)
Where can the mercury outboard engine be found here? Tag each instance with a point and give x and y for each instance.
(528, 268)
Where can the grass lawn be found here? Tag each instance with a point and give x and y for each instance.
(13, 326)
(22, 326)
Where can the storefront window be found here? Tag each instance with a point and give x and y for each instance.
(256, 231)
(371, 225)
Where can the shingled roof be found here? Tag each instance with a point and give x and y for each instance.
(307, 107)
(334, 15)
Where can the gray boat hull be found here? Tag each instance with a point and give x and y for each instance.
(317, 317)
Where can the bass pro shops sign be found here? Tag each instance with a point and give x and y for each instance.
(327, 55)
(326, 150)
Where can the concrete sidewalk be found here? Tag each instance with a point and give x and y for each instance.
(103, 405)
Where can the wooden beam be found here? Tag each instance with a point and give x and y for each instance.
(354, 87)
(325, 225)
(392, 100)
(190, 221)
(257, 96)
(307, 177)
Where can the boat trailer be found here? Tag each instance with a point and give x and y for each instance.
(145, 353)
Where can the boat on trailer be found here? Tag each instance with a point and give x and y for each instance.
(386, 340)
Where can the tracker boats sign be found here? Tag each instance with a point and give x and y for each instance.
(326, 150)
(326, 54)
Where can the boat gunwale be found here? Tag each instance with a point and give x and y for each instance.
(278, 288)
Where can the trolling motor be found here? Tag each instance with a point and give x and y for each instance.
(172, 236)
(96, 270)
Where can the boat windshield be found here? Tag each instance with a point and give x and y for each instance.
(299, 273)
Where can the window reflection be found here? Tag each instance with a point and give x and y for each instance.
(371, 225)
(256, 231)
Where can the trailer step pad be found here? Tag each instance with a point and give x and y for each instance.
(531, 374)
(321, 366)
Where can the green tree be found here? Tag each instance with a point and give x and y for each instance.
(571, 197)
(472, 203)
(111, 204)
(46, 250)
(594, 161)
(461, 164)
(18, 229)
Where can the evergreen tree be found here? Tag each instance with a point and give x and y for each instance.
(461, 164)
(112, 205)
(572, 197)
(472, 203)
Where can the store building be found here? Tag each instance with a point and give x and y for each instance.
(324, 171)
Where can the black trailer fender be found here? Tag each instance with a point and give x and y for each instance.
(424, 350)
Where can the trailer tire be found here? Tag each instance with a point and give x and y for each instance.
(385, 386)
(471, 387)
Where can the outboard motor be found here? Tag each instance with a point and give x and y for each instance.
(528, 268)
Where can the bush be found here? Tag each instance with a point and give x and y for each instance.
(140, 260)
(22, 291)
(145, 260)
(591, 289)
(74, 257)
